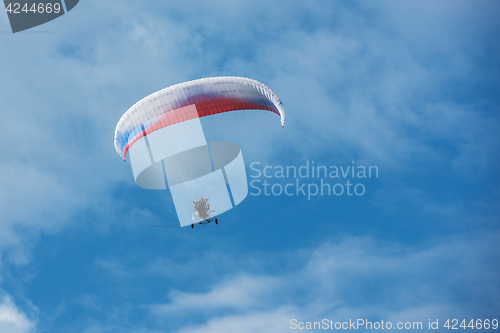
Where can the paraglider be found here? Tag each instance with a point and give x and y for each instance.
(165, 135)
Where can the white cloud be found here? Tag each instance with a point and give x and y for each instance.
(354, 277)
(275, 321)
(12, 320)
(237, 293)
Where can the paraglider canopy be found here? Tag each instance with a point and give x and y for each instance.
(210, 96)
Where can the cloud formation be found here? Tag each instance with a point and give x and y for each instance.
(12, 320)
(353, 277)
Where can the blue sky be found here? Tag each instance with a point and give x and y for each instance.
(411, 87)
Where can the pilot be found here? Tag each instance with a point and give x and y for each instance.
(201, 208)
